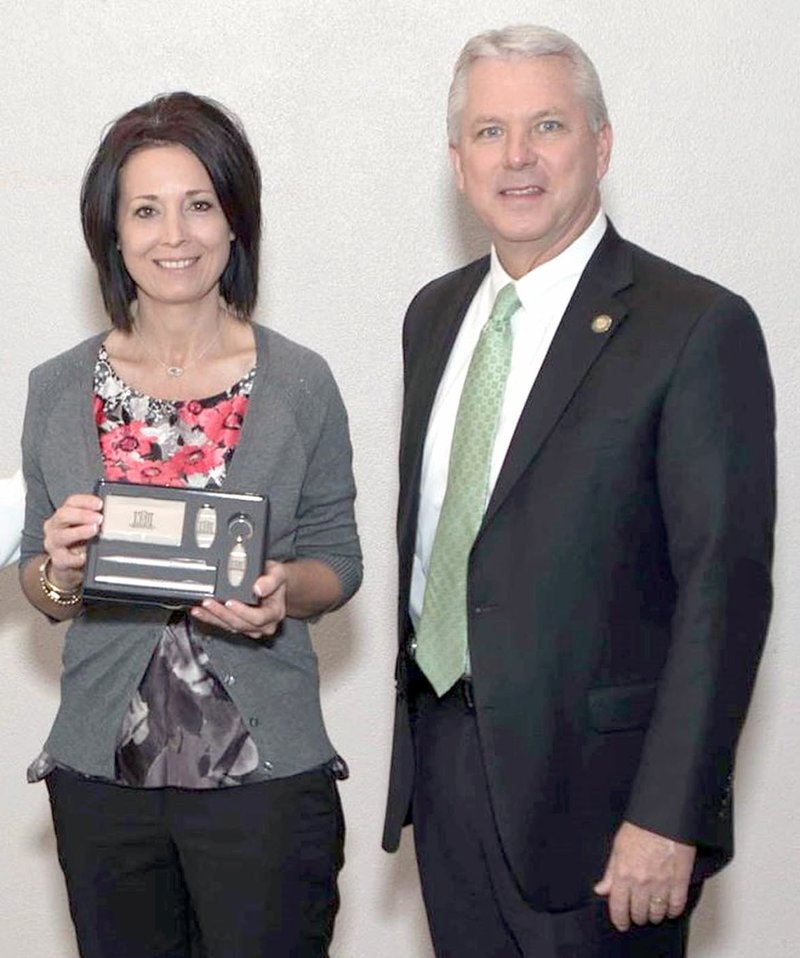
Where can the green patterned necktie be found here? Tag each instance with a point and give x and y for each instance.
(441, 638)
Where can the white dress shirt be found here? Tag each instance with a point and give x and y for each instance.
(12, 516)
(544, 293)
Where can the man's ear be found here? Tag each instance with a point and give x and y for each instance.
(455, 162)
(604, 139)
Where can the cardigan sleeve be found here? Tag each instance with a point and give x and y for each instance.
(326, 526)
(38, 506)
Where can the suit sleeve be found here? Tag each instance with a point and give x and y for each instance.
(716, 479)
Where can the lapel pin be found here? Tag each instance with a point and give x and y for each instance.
(602, 323)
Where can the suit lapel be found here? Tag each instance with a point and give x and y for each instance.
(579, 340)
(432, 346)
(430, 338)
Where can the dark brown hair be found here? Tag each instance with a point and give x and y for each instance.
(217, 139)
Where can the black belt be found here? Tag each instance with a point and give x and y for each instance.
(418, 684)
(464, 688)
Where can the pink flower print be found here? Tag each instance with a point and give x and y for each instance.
(210, 420)
(190, 413)
(124, 443)
(151, 473)
(232, 423)
(115, 472)
(193, 460)
(222, 423)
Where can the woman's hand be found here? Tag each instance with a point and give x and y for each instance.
(256, 621)
(66, 533)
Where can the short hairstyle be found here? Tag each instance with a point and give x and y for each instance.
(216, 137)
(525, 42)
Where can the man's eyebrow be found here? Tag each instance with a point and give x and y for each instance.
(549, 111)
(538, 115)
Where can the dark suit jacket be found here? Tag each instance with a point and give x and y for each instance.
(619, 587)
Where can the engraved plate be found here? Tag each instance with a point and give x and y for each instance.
(205, 526)
(237, 564)
(141, 519)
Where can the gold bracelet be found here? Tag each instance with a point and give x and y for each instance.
(53, 592)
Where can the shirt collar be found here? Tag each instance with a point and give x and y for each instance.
(568, 265)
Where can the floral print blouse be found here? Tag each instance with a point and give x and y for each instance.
(164, 442)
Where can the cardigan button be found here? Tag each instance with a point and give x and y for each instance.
(253, 722)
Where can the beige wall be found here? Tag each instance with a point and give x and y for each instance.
(344, 102)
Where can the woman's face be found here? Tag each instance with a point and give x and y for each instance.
(172, 233)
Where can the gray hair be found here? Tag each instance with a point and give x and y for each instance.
(525, 42)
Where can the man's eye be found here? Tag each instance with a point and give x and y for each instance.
(549, 126)
(489, 132)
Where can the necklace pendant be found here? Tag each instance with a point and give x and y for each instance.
(174, 370)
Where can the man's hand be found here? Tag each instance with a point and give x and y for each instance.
(646, 878)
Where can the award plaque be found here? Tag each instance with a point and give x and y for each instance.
(162, 545)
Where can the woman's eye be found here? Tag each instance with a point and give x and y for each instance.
(144, 212)
(200, 206)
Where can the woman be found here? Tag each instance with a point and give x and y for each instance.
(190, 776)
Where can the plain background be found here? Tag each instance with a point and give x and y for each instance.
(344, 101)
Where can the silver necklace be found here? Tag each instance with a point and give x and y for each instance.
(177, 371)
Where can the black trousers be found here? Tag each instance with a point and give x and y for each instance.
(239, 872)
(474, 906)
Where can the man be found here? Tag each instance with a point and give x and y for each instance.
(585, 537)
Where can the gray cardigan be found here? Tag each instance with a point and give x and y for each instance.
(295, 447)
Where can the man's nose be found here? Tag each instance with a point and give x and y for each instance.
(520, 149)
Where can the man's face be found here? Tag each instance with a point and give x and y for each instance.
(527, 159)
